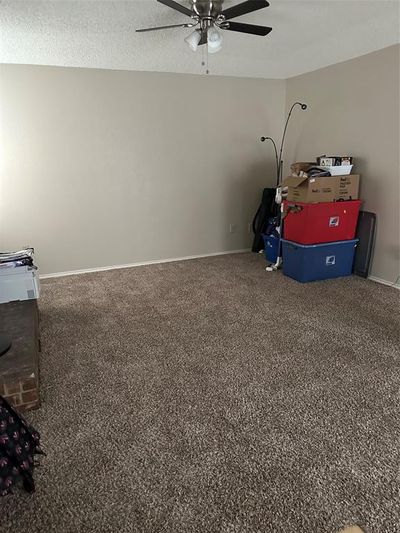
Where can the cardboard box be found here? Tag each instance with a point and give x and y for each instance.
(322, 189)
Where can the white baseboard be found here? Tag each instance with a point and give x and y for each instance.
(142, 263)
(395, 285)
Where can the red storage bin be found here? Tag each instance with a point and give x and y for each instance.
(320, 223)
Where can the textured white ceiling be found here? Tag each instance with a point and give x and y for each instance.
(306, 35)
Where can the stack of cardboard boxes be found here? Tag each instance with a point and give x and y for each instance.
(321, 213)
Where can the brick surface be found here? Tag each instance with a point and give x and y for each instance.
(28, 406)
(29, 384)
(13, 388)
(14, 399)
(30, 396)
(20, 322)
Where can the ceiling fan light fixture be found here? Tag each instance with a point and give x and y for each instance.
(210, 16)
(214, 39)
(193, 40)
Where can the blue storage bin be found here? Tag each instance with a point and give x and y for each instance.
(271, 247)
(318, 261)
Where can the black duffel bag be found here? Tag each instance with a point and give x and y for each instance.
(268, 208)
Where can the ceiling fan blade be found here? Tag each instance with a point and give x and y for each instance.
(243, 8)
(188, 25)
(177, 7)
(246, 28)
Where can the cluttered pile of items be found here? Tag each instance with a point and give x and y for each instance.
(19, 278)
(19, 442)
(314, 235)
(310, 223)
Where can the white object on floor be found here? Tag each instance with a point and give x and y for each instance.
(275, 266)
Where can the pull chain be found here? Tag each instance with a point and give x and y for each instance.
(204, 58)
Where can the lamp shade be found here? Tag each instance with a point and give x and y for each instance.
(214, 40)
(193, 39)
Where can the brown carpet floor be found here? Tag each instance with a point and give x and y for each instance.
(210, 396)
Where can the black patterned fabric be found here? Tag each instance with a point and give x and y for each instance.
(19, 443)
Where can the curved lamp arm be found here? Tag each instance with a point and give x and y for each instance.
(303, 107)
(263, 139)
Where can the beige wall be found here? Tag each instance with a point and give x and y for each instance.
(106, 167)
(354, 109)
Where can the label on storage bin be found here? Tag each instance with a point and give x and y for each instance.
(334, 222)
(330, 260)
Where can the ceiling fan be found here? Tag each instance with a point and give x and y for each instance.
(210, 17)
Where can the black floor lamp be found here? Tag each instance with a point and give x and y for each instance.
(279, 171)
(278, 158)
